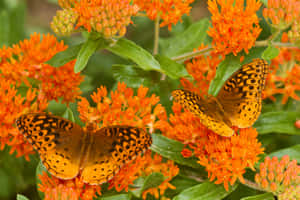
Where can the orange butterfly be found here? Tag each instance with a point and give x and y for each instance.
(237, 104)
(65, 148)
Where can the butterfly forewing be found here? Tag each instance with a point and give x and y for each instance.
(58, 141)
(240, 96)
(112, 147)
(208, 110)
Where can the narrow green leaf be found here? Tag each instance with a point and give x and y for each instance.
(278, 122)
(270, 53)
(225, 69)
(87, 50)
(116, 197)
(171, 68)
(153, 180)
(64, 57)
(68, 114)
(21, 197)
(171, 149)
(293, 152)
(191, 38)
(265, 196)
(206, 190)
(129, 50)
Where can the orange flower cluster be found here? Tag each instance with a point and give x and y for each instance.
(203, 70)
(285, 75)
(28, 84)
(235, 27)
(144, 166)
(108, 17)
(169, 11)
(282, 13)
(123, 108)
(225, 158)
(74, 189)
(279, 177)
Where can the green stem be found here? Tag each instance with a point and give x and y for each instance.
(192, 54)
(156, 35)
(253, 185)
(278, 44)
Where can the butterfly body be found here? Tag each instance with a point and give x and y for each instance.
(237, 104)
(66, 149)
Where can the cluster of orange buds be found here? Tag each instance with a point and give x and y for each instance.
(282, 13)
(279, 177)
(107, 17)
(294, 33)
(64, 21)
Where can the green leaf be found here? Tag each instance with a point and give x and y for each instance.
(68, 114)
(133, 76)
(129, 50)
(206, 190)
(171, 68)
(225, 69)
(191, 38)
(116, 197)
(270, 53)
(265, 196)
(278, 122)
(66, 56)
(293, 152)
(153, 180)
(171, 149)
(87, 50)
(21, 197)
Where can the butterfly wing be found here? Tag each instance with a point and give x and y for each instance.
(209, 111)
(240, 96)
(111, 147)
(57, 140)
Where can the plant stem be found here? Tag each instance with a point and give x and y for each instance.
(252, 185)
(279, 44)
(192, 54)
(156, 35)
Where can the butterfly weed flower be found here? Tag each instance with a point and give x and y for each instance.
(74, 189)
(202, 69)
(224, 158)
(143, 167)
(169, 11)
(281, 177)
(23, 67)
(108, 17)
(234, 25)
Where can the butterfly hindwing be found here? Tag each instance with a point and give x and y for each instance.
(119, 144)
(57, 140)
